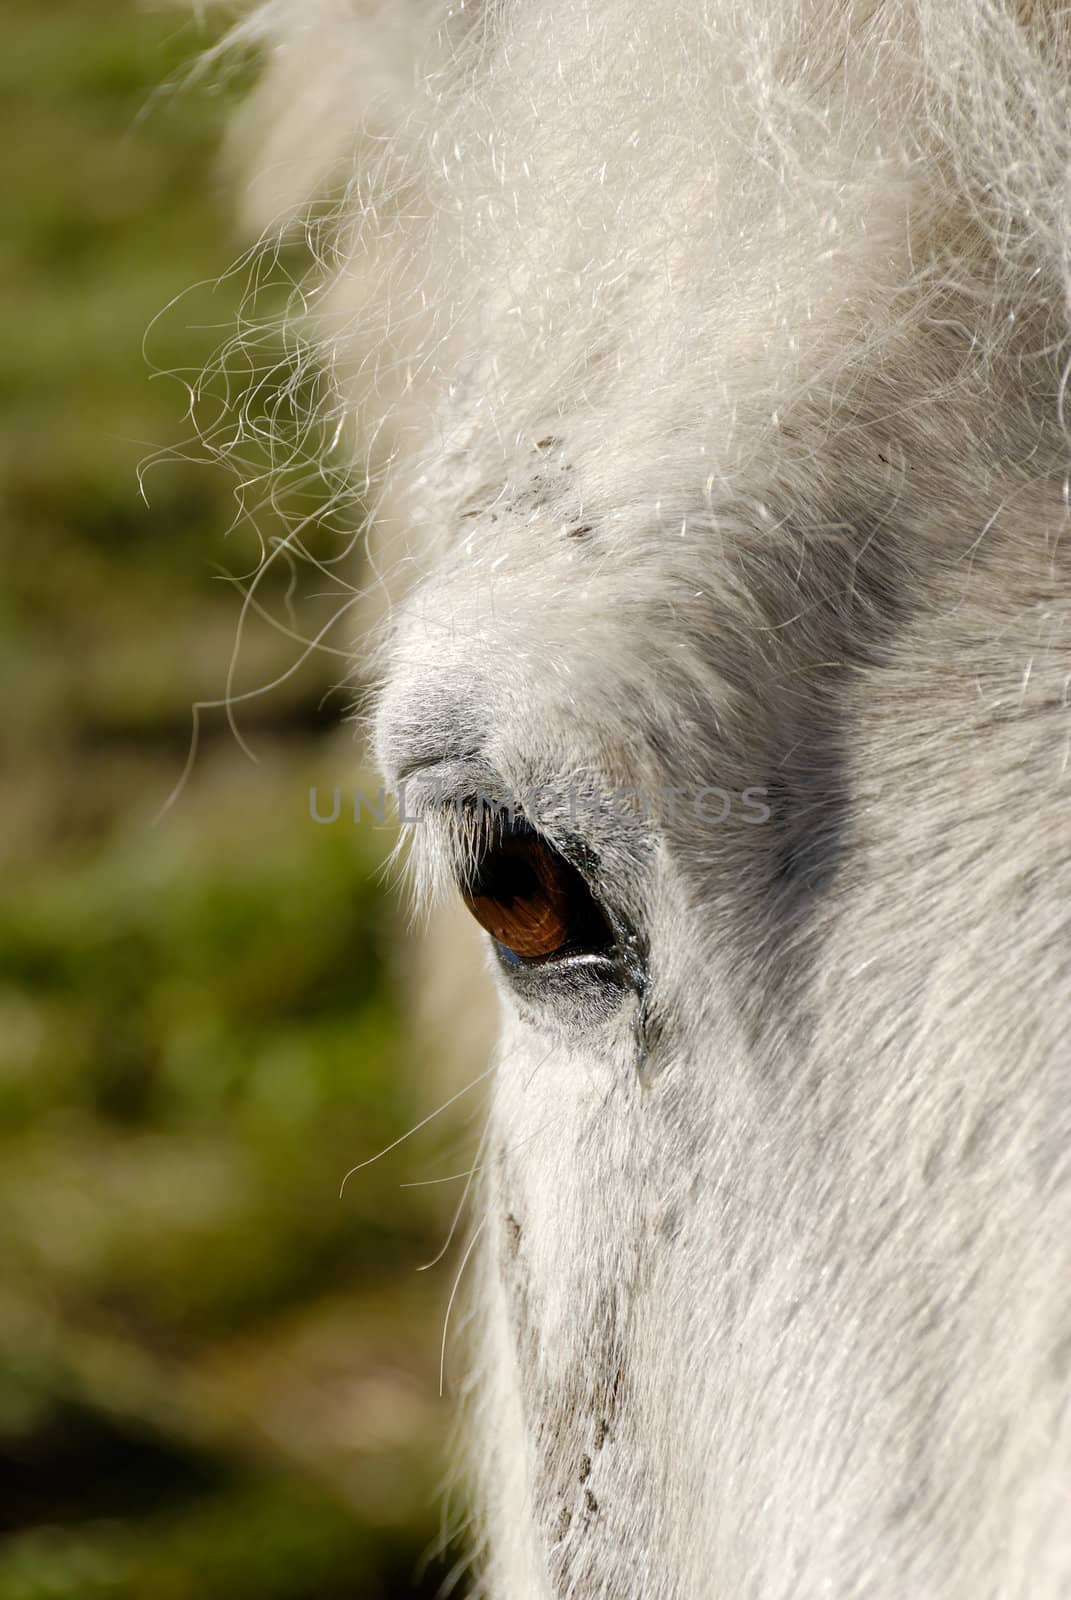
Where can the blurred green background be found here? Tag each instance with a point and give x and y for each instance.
(217, 1379)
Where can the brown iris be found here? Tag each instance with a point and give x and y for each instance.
(531, 900)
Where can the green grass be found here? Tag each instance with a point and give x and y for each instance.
(217, 1379)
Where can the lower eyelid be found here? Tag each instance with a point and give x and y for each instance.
(599, 964)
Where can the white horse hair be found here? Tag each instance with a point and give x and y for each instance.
(710, 360)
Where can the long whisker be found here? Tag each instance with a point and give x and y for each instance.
(459, 1208)
(415, 1128)
(450, 1303)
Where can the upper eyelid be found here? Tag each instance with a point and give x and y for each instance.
(474, 786)
(577, 819)
(447, 780)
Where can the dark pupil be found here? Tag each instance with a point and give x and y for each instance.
(530, 899)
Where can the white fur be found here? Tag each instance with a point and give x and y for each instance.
(722, 346)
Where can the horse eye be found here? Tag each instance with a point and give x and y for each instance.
(533, 902)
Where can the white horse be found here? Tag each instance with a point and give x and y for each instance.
(723, 348)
